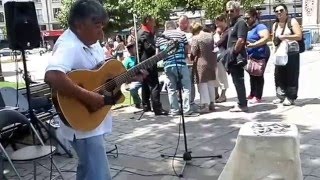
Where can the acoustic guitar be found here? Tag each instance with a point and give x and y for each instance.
(106, 80)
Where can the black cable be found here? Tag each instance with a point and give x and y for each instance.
(176, 150)
(179, 86)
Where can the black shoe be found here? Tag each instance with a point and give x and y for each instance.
(138, 106)
(146, 108)
(160, 112)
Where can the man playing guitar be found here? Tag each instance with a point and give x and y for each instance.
(78, 48)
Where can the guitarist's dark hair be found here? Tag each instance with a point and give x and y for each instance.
(83, 9)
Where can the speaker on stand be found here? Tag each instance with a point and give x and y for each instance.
(23, 33)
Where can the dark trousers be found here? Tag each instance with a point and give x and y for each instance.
(256, 84)
(287, 78)
(237, 74)
(151, 89)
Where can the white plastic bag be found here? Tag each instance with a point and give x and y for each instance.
(281, 54)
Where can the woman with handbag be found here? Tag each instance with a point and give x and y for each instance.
(287, 32)
(258, 53)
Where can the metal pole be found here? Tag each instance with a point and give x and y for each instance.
(270, 21)
(47, 8)
(295, 6)
(136, 36)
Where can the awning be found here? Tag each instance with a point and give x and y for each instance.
(52, 33)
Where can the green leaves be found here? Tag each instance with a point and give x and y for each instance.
(63, 14)
(121, 11)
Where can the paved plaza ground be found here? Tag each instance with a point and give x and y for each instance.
(140, 142)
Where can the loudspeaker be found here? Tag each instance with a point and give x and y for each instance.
(23, 30)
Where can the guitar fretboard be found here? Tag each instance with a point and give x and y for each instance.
(122, 78)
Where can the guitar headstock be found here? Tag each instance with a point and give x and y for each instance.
(172, 47)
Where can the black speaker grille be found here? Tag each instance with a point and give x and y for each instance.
(23, 30)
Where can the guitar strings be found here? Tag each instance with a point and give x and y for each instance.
(124, 76)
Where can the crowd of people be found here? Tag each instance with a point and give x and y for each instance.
(230, 45)
(237, 44)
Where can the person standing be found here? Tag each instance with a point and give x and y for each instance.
(287, 30)
(176, 65)
(204, 67)
(147, 48)
(236, 43)
(184, 26)
(132, 37)
(257, 49)
(221, 41)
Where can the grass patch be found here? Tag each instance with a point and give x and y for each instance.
(11, 84)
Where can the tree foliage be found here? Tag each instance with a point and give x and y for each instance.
(121, 11)
(64, 12)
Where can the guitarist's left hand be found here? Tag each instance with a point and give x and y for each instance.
(141, 76)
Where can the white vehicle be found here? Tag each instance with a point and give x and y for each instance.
(36, 51)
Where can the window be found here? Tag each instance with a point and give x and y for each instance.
(56, 12)
(1, 17)
(43, 27)
(56, 26)
(0, 3)
(37, 1)
(39, 15)
(55, 1)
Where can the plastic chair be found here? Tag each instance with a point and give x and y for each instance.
(28, 153)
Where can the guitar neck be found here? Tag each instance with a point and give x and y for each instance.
(143, 65)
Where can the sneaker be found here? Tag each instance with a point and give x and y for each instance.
(239, 109)
(174, 113)
(221, 99)
(277, 101)
(204, 109)
(255, 101)
(288, 102)
(250, 97)
(138, 106)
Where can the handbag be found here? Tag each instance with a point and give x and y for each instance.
(255, 67)
(281, 54)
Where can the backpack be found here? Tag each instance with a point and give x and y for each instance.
(302, 46)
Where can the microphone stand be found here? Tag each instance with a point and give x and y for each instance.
(187, 153)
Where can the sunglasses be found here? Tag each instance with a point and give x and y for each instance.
(229, 11)
(279, 11)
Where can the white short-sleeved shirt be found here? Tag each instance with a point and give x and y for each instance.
(69, 53)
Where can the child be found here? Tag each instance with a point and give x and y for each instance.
(129, 62)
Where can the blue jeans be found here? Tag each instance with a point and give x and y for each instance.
(134, 91)
(172, 75)
(93, 162)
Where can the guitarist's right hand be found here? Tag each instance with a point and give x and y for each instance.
(94, 101)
